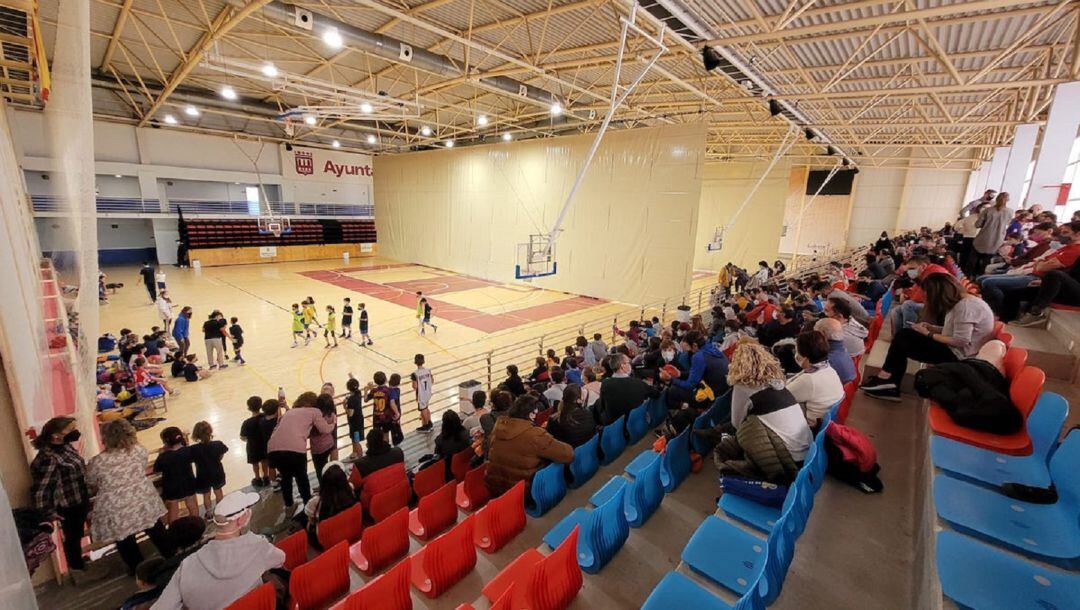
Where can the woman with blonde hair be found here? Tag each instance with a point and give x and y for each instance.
(125, 501)
(771, 435)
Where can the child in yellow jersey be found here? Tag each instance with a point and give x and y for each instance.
(309, 319)
(330, 326)
(297, 324)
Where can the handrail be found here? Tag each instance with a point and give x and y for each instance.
(195, 206)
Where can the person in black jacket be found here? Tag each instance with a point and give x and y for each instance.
(573, 424)
(513, 383)
(1056, 286)
(620, 392)
(453, 438)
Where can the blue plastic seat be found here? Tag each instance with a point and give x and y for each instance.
(604, 530)
(637, 423)
(678, 591)
(763, 517)
(1047, 531)
(830, 415)
(657, 409)
(717, 413)
(151, 391)
(976, 575)
(586, 462)
(643, 495)
(548, 489)
(736, 559)
(988, 467)
(886, 302)
(612, 440)
(674, 465)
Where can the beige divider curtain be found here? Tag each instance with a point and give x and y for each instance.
(629, 235)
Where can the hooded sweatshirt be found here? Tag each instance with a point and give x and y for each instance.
(518, 449)
(710, 365)
(855, 338)
(220, 573)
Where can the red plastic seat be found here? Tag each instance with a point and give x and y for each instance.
(382, 544)
(385, 503)
(849, 396)
(459, 464)
(296, 550)
(1063, 307)
(1014, 361)
(536, 582)
(998, 327)
(355, 478)
(319, 582)
(345, 525)
(1005, 338)
(444, 561)
(543, 416)
(387, 592)
(436, 512)
(1023, 391)
(473, 493)
(260, 598)
(501, 520)
(429, 479)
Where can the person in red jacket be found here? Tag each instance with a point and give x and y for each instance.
(910, 300)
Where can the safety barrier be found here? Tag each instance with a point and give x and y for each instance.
(45, 204)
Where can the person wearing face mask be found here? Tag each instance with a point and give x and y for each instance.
(58, 487)
(910, 300)
(620, 392)
(785, 326)
(817, 388)
(1040, 239)
(708, 365)
(761, 276)
(227, 567)
(1002, 292)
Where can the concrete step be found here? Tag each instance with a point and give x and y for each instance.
(1066, 326)
(875, 358)
(1051, 350)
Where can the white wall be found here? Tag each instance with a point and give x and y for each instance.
(931, 199)
(628, 235)
(897, 199)
(875, 203)
(113, 234)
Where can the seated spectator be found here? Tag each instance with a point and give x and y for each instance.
(1055, 287)
(227, 567)
(379, 454)
(854, 333)
(518, 448)
(872, 289)
(969, 323)
(335, 495)
(620, 392)
(553, 393)
(873, 267)
(144, 378)
(148, 585)
(785, 326)
(771, 435)
(573, 424)
(472, 421)
(1039, 238)
(540, 373)
(192, 371)
(839, 358)
(1002, 292)
(513, 383)
(909, 302)
(591, 390)
(573, 373)
(453, 438)
(708, 366)
(818, 387)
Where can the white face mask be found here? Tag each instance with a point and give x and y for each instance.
(913, 273)
(668, 355)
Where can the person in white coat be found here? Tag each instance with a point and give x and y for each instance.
(164, 307)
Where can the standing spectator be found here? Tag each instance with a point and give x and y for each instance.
(174, 462)
(206, 454)
(182, 332)
(147, 274)
(164, 307)
(354, 416)
(288, 447)
(125, 501)
(598, 347)
(255, 442)
(992, 223)
(423, 383)
(58, 487)
(323, 444)
(214, 338)
(974, 204)
(518, 448)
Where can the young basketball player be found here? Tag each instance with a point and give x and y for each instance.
(365, 338)
(346, 319)
(330, 329)
(422, 383)
(309, 320)
(425, 318)
(298, 326)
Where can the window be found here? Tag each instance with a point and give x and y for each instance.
(252, 193)
(1072, 174)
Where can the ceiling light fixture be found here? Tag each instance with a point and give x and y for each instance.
(333, 38)
(371, 139)
(556, 109)
(449, 143)
(309, 119)
(335, 144)
(425, 131)
(774, 108)
(366, 108)
(228, 93)
(710, 58)
(118, 176)
(507, 137)
(170, 119)
(269, 70)
(810, 135)
(482, 120)
(191, 110)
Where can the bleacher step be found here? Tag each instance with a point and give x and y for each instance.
(1066, 326)
(1048, 349)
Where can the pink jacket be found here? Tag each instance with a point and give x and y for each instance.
(294, 427)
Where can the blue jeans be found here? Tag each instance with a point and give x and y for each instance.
(903, 314)
(995, 287)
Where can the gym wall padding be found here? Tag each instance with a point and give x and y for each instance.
(756, 233)
(629, 234)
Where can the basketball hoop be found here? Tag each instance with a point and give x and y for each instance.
(274, 225)
(536, 258)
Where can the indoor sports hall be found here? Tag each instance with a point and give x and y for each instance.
(539, 304)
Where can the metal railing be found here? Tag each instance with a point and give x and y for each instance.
(212, 207)
(489, 367)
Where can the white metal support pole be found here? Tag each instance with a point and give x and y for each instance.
(614, 103)
(789, 140)
(1057, 142)
(1019, 159)
(802, 212)
(997, 168)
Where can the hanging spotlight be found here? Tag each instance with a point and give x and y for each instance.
(288, 146)
(228, 93)
(711, 58)
(845, 162)
(774, 108)
(366, 108)
(482, 120)
(829, 150)
(117, 176)
(309, 119)
(507, 137)
(449, 143)
(333, 38)
(371, 139)
(269, 70)
(170, 119)
(810, 135)
(191, 111)
(425, 131)
(335, 144)
(556, 109)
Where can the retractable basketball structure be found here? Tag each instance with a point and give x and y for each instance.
(536, 257)
(802, 213)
